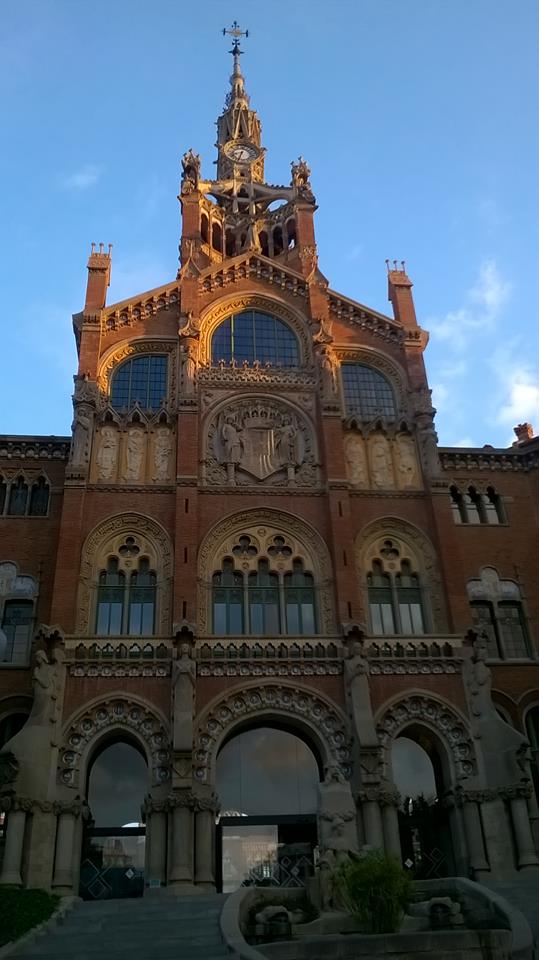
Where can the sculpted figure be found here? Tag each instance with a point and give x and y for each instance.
(356, 460)
(406, 462)
(135, 453)
(190, 172)
(189, 368)
(287, 443)
(381, 469)
(327, 370)
(81, 427)
(232, 441)
(44, 683)
(162, 454)
(108, 451)
(356, 672)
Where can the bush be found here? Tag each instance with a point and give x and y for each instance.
(376, 890)
(20, 910)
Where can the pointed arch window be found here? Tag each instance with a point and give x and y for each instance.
(409, 600)
(18, 498)
(228, 600)
(395, 596)
(299, 601)
(472, 506)
(263, 591)
(126, 602)
(3, 494)
(39, 498)
(110, 600)
(380, 600)
(253, 336)
(17, 630)
(142, 600)
(498, 613)
(367, 392)
(140, 380)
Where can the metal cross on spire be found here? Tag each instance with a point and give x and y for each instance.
(235, 32)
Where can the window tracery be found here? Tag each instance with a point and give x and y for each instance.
(498, 613)
(394, 592)
(368, 394)
(254, 336)
(139, 381)
(24, 497)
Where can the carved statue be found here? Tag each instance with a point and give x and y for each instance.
(327, 371)
(287, 443)
(428, 445)
(190, 172)
(300, 179)
(135, 453)
(45, 693)
(81, 427)
(356, 460)
(406, 462)
(162, 453)
(107, 453)
(381, 468)
(189, 367)
(232, 441)
(183, 680)
(356, 673)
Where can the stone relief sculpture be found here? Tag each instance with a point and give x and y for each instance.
(189, 360)
(380, 458)
(260, 441)
(107, 453)
(162, 454)
(45, 693)
(82, 432)
(356, 460)
(407, 469)
(134, 453)
(327, 372)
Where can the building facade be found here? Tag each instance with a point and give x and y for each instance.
(252, 582)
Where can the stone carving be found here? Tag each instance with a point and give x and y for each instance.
(356, 460)
(12, 583)
(190, 172)
(124, 523)
(45, 683)
(134, 453)
(356, 673)
(189, 361)
(442, 716)
(162, 453)
(328, 377)
(107, 453)
(380, 460)
(322, 720)
(300, 180)
(260, 440)
(183, 685)
(82, 434)
(407, 470)
(118, 712)
(189, 325)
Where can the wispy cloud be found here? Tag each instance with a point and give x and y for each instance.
(517, 386)
(83, 179)
(481, 308)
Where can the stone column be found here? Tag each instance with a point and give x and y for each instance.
(372, 823)
(157, 846)
(474, 838)
(204, 833)
(181, 867)
(62, 881)
(526, 854)
(392, 840)
(498, 840)
(11, 867)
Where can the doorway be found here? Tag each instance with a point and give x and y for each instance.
(113, 848)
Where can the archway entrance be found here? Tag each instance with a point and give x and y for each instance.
(112, 862)
(424, 827)
(267, 781)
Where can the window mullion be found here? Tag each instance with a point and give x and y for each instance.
(498, 632)
(246, 605)
(395, 604)
(282, 603)
(125, 605)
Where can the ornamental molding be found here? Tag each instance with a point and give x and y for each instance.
(419, 542)
(115, 670)
(381, 362)
(397, 667)
(35, 448)
(133, 524)
(482, 460)
(252, 266)
(324, 723)
(440, 717)
(350, 312)
(212, 316)
(309, 544)
(131, 311)
(77, 807)
(304, 669)
(514, 791)
(254, 375)
(138, 347)
(183, 798)
(116, 712)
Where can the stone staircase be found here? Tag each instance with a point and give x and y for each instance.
(150, 928)
(522, 892)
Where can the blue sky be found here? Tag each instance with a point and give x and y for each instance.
(418, 118)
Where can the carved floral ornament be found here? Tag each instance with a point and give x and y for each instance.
(260, 440)
(412, 544)
(263, 527)
(123, 715)
(438, 716)
(135, 348)
(215, 314)
(321, 720)
(107, 539)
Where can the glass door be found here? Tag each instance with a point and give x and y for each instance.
(265, 851)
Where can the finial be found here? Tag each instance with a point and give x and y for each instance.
(235, 32)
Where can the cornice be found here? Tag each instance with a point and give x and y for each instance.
(34, 447)
(141, 306)
(454, 459)
(252, 266)
(380, 325)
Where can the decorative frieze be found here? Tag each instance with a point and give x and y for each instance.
(403, 667)
(128, 312)
(254, 669)
(454, 460)
(35, 448)
(434, 713)
(118, 670)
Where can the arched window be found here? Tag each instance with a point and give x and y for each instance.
(141, 380)
(472, 506)
(126, 601)
(17, 631)
(264, 246)
(255, 336)
(230, 243)
(204, 229)
(259, 597)
(497, 612)
(10, 725)
(277, 241)
(217, 237)
(39, 498)
(367, 392)
(291, 238)
(18, 498)
(395, 599)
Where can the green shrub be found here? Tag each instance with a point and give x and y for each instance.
(20, 910)
(376, 890)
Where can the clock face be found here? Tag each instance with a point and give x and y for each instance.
(241, 152)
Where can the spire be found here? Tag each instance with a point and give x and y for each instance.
(238, 124)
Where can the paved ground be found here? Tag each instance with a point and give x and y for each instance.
(171, 928)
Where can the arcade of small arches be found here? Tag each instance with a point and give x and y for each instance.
(273, 239)
(23, 497)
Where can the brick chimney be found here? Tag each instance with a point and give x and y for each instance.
(524, 431)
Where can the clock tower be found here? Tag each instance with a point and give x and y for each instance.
(231, 216)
